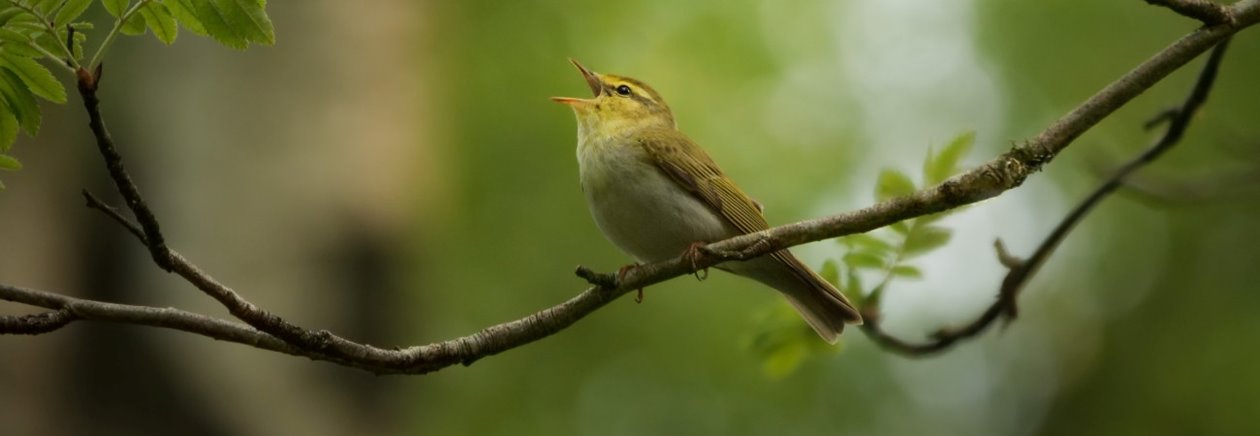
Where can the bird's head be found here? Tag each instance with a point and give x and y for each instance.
(620, 105)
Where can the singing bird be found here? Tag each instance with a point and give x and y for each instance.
(656, 194)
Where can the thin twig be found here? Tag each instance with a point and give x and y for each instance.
(70, 46)
(607, 281)
(83, 309)
(412, 360)
(236, 304)
(1003, 173)
(1020, 271)
(149, 234)
(112, 212)
(88, 84)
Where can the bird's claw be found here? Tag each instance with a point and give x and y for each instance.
(693, 254)
(621, 275)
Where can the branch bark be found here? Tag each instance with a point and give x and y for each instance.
(88, 84)
(1207, 11)
(270, 332)
(35, 323)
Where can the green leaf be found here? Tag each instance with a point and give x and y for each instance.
(72, 10)
(781, 341)
(17, 44)
(133, 26)
(20, 101)
(217, 26)
(9, 163)
(161, 22)
(934, 217)
(925, 238)
(41, 39)
(907, 271)
(52, 44)
(24, 19)
(892, 183)
(938, 168)
(868, 242)
(182, 10)
(116, 7)
(235, 23)
(8, 128)
(135, 23)
(784, 359)
(860, 259)
(830, 272)
(45, 6)
(35, 76)
(902, 227)
(9, 13)
(249, 18)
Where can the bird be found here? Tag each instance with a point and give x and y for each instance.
(657, 195)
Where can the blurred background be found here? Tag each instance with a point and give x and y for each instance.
(394, 172)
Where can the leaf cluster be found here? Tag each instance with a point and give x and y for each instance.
(783, 342)
(888, 253)
(234, 23)
(32, 31)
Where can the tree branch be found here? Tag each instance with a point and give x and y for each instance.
(1021, 271)
(268, 331)
(88, 83)
(1207, 11)
(35, 323)
(412, 360)
(70, 309)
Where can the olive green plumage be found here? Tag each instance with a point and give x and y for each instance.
(653, 192)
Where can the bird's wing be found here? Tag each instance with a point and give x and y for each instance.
(689, 166)
(822, 305)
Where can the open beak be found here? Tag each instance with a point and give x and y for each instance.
(592, 80)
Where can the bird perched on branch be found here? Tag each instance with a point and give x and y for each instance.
(657, 195)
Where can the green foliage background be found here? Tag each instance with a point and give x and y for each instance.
(673, 364)
(1143, 324)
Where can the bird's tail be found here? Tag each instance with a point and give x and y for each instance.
(822, 306)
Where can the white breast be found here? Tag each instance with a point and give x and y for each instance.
(642, 211)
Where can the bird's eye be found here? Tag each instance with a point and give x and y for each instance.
(623, 90)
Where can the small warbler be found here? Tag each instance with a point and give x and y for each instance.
(656, 195)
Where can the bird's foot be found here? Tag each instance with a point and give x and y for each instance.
(693, 254)
(621, 275)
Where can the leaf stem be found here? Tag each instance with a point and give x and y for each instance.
(898, 256)
(43, 19)
(56, 60)
(113, 33)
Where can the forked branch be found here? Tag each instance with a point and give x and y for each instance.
(1020, 271)
(268, 331)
